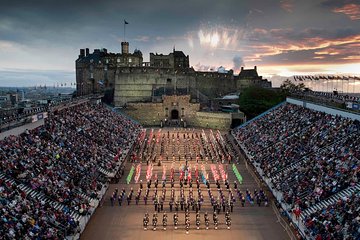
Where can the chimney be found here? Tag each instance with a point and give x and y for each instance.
(87, 51)
(255, 68)
(82, 53)
(242, 68)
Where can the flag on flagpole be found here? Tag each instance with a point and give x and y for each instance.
(125, 22)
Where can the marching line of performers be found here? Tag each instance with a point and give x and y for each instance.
(146, 221)
(191, 201)
(157, 147)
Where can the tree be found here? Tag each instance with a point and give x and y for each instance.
(288, 86)
(256, 100)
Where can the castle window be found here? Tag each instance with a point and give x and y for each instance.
(130, 60)
(118, 60)
(168, 80)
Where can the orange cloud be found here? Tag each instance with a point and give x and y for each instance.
(287, 5)
(316, 43)
(352, 10)
(298, 69)
(328, 52)
(352, 58)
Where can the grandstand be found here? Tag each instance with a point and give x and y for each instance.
(92, 173)
(309, 157)
(52, 177)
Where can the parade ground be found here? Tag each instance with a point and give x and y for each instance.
(184, 154)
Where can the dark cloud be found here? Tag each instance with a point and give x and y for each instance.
(46, 34)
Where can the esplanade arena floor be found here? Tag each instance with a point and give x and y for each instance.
(126, 221)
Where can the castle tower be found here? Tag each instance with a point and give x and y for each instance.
(124, 47)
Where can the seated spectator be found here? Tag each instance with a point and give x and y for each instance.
(308, 156)
(60, 160)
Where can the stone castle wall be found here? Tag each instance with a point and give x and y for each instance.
(150, 114)
(212, 120)
(137, 84)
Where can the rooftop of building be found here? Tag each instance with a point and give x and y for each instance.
(248, 73)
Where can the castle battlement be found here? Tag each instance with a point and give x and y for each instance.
(133, 80)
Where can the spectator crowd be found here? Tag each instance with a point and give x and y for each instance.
(60, 160)
(309, 156)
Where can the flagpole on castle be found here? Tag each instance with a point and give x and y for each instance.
(125, 22)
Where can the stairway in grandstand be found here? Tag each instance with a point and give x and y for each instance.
(40, 196)
(120, 162)
(106, 172)
(331, 200)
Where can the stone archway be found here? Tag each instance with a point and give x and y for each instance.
(174, 114)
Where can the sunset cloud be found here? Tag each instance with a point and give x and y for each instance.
(303, 45)
(275, 35)
(287, 5)
(352, 58)
(351, 10)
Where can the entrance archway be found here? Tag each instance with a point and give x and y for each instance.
(174, 114)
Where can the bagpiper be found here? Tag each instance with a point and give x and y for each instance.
(154, 221)
(146, 221)
(164, 220)
(187, 224)
(215, 218)
(175, 220)
(197, 221)
(228, 219)
(206, 217)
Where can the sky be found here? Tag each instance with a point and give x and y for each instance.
(40, 39)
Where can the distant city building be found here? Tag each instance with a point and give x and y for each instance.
(129, 79)
(8, 100)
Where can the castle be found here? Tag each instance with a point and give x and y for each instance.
(132, 80)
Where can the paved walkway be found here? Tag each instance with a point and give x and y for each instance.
(17, 131)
